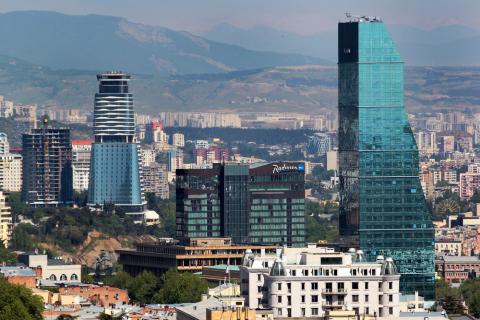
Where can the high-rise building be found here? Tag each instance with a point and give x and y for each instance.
(114, 171)
(10, 167)
(198, 203)
(155, 180)
(174, 159)
(261, 204)
(382, 206)
(5, 221)
(319, 144)
(47, 167)
(81, 154)
(178, 140)
(4, 145)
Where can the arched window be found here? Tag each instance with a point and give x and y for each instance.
(63, 277)
(74, 277)
(52, 277)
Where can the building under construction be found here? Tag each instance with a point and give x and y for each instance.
(47, 167)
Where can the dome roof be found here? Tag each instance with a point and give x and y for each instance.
(389, 267)
(278, 269)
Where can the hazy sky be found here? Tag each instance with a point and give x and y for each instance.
(301, 16)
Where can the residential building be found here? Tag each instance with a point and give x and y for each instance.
(47, 167)
(448, 246)
(154, 133)
(311, 282)
(4, 144)
(457, 269)
(260, 204)
(382, 205)
(104, 296)
(469, 182)
(178, 140)
(193, 256)
(332, 160)
(318, 144)
(57, 270)
(155, 180)
(174, 159)
(6, 225)
(115, 166)
(19, 275)
(11, 172)
(81, 154)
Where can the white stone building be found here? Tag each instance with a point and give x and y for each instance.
(309, 282)
(81, 153)
(178, 140)
(57, 270)
(5, 221)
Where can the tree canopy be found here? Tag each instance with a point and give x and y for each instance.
(178, 287)
(18, 303)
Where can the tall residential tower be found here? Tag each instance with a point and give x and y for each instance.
(382, 206)
(114, 169)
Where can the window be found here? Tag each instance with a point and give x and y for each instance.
(279, 286)
(52, 277)
(279, 299)
(314, 299)
(355, 298)
(314, 311)
(303, 285)
(302, 299)
(390, 310)
(294, 273)
(367, 311)
(366, 285)
(390, 298)
(303, 312)
(289, 287)
(63, 277)
(354, 272)
(74, 277)
(279, 311)
(379, 286)
(259, 289)
(259, 277)
(390, 285)
(366, 298)
(354, 285)
(289, 300)
(314, 285)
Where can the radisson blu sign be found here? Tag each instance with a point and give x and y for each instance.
(279, 168)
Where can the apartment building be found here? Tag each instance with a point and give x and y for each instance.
(310, 282)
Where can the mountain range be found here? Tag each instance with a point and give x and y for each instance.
(452, 45)
(93, 42)
(309, 89)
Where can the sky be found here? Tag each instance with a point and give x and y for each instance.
(300, 16)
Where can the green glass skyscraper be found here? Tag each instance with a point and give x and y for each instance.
(382, 206)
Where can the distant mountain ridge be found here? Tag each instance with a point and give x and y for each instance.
(309, 89)
(94, 42)
(453, 45)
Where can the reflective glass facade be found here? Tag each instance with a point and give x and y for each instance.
(114, 165)
(262, 204)
(382, 207)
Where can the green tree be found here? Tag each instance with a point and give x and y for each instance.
(142, 288)
(18, 303)
(180, 288)
(86, 277)
(22, 237)
(6, 256)
(470, 291)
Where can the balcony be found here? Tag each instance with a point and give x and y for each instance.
(334, 291)
(334, 304)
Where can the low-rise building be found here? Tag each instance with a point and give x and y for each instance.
(100, 295)
(448, 246)
(19, 275)
(197, 254)
(455, 269)
(57, 270)
(311, 282)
